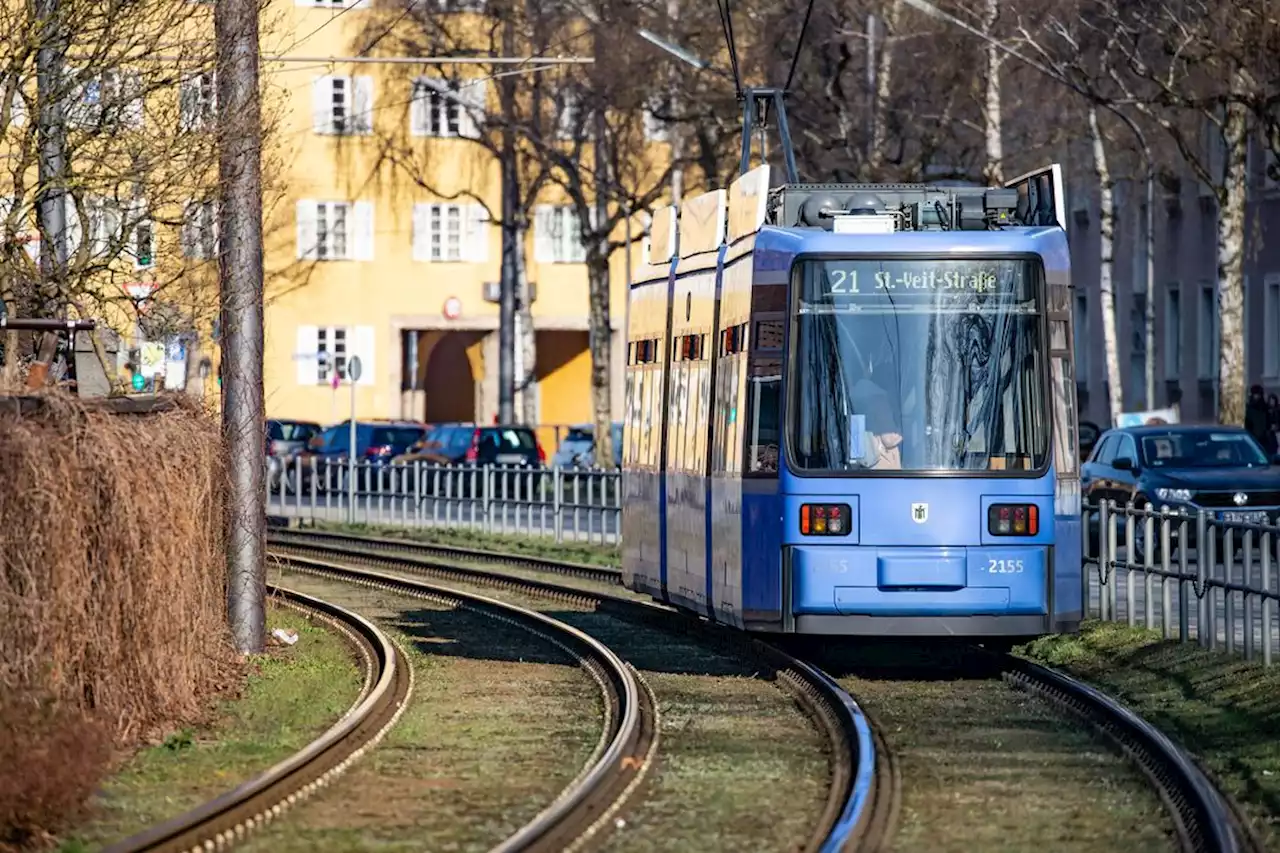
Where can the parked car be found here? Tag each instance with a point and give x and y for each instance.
(285, 440)
(578, 449)
(512, 446)
(377, 443)
(1185, 469)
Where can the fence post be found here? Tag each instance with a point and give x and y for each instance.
(1203, 545)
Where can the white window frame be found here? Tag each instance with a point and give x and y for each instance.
(106, 223)
(200, 237)
(342, 105)
(557, 239)
(1208, 347)
(655, 129)
(1271, 326)
(446, 109)
(1173, 332)
(116, 84)
(198, 101)
(336, 340)
(435, 223)
(568, 116)
(17, 103)
(335, 230)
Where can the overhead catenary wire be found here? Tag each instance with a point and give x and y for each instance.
(795, 57)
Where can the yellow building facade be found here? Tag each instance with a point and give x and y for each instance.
(362, 260)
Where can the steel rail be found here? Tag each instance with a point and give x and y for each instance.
(230, 817)
(1204, 819)
(862, 797)
(629, 743)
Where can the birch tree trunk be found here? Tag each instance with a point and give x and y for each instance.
(992, 116)
(1231, 366)
(884, 88)
(601, 354)
(527, 339)
(1106, 286)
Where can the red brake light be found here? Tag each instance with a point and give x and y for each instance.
(473, 452)
(1013, 520)
(542, 454)
(825, 519)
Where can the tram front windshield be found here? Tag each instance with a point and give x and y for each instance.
(918, 365)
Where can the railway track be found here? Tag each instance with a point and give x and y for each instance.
(1204, 819)
(859, 809)
(231, 817)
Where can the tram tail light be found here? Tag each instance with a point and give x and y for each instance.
(824, 519)
(1013, 520)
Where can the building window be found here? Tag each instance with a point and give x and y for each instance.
(110, 98)
(656, 128)
(1080, 332)
(1271, 326)
(444, 108)
(568, 119)
(198, 99)
(331, 354)
(1208, 331)
(335, 230)
(200, 230)
(1173, 333)
(342, 105)
(324, 352)
(557, 237)
(106, 226)
(450, 233)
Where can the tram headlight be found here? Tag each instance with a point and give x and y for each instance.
(825, 519)
(1013, 520)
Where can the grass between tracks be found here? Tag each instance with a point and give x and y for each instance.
(545, 548)
(739, 767)
(293, 694)
(499, 723)
(1220, 707)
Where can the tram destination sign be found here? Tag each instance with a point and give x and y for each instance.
(843, 281)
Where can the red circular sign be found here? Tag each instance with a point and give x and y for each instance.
(452, 308)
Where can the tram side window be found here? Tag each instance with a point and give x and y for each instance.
(763, 410)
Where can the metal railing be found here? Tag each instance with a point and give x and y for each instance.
(564, 504)
(1187, 574)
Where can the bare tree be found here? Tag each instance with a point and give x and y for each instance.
(456, 104)
(137, 98)
(608, 169)
(1192, 67)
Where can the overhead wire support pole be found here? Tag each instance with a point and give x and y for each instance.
(240, 276)
(51, 84)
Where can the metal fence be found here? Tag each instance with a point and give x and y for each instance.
(564, 504)
(1186, 574)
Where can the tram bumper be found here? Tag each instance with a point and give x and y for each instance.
(919, 591)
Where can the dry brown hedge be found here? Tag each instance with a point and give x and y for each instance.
(112, 595)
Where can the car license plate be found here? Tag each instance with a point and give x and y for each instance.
(1248, 517)
(509, 459)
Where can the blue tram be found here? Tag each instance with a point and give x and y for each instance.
(850, 410)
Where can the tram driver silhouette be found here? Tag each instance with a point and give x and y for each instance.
(882, 440)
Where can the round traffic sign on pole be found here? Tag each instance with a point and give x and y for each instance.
(353, 368)
(452, 308)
